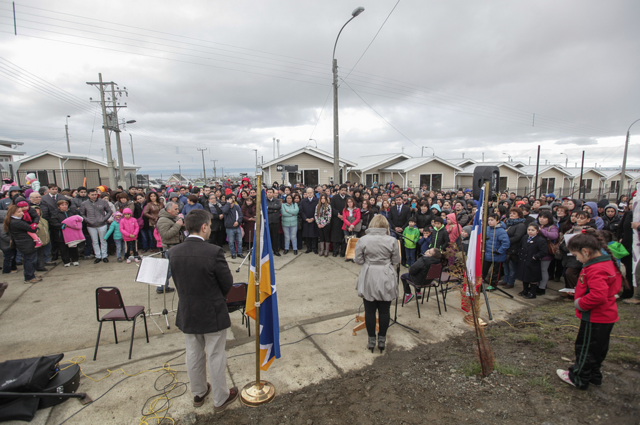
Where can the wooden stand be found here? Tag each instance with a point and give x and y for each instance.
(362, 325)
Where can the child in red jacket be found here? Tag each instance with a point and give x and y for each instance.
(129, 229)
(595, 301)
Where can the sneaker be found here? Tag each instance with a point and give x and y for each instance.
(68, 265)
(199, 401)
(137, 260)
(15, 271)
(627, 301)
(128, 261)
(75, 263)
(408, 297)
(491, 288)
(564, 376)
(34, 280)
(406, 265)
(418, 294)
(233, 395)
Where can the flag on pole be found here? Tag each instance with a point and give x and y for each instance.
(269, 322)
(474, 254)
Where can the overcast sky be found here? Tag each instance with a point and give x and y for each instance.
(456, 76)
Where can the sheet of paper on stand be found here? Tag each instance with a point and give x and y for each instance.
(153, 271)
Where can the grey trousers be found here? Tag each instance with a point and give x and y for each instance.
(213, 346)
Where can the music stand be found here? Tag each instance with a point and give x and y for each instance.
(154, 272)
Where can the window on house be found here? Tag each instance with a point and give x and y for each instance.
(587, 183)
(433, 181)
(548, 185)
(615, 185)
(370, 179)
(503, 183)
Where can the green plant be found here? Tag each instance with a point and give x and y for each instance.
(509, 370)
(471, 369)
(542, 381)
(532, 338)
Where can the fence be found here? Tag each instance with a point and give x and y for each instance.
(62, 178)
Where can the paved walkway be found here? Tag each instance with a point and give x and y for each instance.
(317, 301)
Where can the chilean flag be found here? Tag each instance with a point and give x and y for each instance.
(474, 256)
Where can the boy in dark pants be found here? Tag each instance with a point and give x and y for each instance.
(495, 252)
(418, 272)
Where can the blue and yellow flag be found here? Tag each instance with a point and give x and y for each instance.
(269, 322)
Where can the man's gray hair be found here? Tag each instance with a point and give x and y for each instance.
(170, 205)
(33, 194)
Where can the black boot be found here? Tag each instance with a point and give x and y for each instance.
(371, 345)
(382, 342)
(525, 289)
(532, 291)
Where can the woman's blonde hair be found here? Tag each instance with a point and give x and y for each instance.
(379, 222)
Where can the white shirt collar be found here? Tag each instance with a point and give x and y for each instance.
(196, 236)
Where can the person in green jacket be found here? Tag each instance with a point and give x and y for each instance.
(289, 211)
(114, 228)
(411, 234)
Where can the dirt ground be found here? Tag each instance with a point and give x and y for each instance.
(439, 383)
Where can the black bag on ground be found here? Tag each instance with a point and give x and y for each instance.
(28, 376)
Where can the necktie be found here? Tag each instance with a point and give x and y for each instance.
(399, 209)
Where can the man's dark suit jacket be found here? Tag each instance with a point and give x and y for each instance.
(203, 279)
(399, 220)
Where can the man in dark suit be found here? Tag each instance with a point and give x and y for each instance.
(399, 219)
(273, 213)
(203, 279)
(309, 227)
(338, 203)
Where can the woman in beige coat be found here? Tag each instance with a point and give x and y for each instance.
(378, 253)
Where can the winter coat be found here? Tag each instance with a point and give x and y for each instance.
(217, 223)
(595, 296)
(529, 256)
(419, 270)
(594, 215)
(516, 230)
(497, 244)
(120, 206)
(72, 230)
(289, 214)
(423, 221)
(439, 238)
(412, 235)
(188, 208)
(151, 211)
(114, 229)
(19, 231)
(569, 260)
(453, 228)
(350, 218)
(307, 211)
(129, 226)
(232, 213)
(76, 203)
(248, 225)
(5, 238)
(463, 217)
(378, 253)
(337, 206)
(203, 279)
(551, 234)
(96, 214)
(169, 230)
(274, 207)
(611, 224)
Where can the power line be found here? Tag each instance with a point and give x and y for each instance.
(320, 114)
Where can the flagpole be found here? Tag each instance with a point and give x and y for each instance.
(256, 393)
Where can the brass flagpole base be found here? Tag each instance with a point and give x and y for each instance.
(253, 395)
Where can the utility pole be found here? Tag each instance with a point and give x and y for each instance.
(215, 177)
(107, 140)
(66, 130)
(581, 172)
(133, 158)
(121, 181)
(623, 172)
(204, 171)
(535, 187)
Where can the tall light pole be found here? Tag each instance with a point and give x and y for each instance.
(180, 171)
(504, 153)
(566, 162)
(215, 177)
(624, 161)
(66, 130)
(336, 138)
(133, 158)
(204, 171)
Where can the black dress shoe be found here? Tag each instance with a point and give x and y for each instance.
(315, 251)
(308, 251)
(286, 251)
(105, 259)
(277, 253)
(167, 290)
(295, 252)
(97, 260)
(233, 256)
(42, 270)
(50, 263)
(335, 254)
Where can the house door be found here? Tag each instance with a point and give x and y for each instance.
(310, 178)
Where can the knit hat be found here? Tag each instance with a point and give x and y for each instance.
(614, 206)
(22, 204)
(603, 203)
(436, 207)
(551, 195)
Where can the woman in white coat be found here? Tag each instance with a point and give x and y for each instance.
(378, 253)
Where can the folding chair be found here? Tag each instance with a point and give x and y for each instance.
(433, 275)
(109, 297)
(236, 301)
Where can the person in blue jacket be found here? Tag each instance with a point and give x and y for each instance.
(495, 252)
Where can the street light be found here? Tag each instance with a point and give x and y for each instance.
(566, 162)
(336, 138)
(504, 153)
(314, 141)
(624, 161)
(66, 130)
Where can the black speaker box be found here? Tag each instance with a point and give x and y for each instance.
(483, 174)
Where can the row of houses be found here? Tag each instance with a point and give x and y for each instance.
(315, 166)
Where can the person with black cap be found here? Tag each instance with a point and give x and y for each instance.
(4, 203)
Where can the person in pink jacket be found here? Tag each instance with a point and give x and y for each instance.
(129, 229)
(72, 231)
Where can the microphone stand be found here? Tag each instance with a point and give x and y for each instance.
(394, 321)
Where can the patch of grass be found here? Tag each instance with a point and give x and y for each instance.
(507, 369)
(532, 338)
(471, 369)
(549, 345)
(543, 382)
(622, 353)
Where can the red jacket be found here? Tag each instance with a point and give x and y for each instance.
(598, 284)
(345, 214)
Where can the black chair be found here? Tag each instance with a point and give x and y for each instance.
(236, 301)
(109, 297)
(431, 281)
